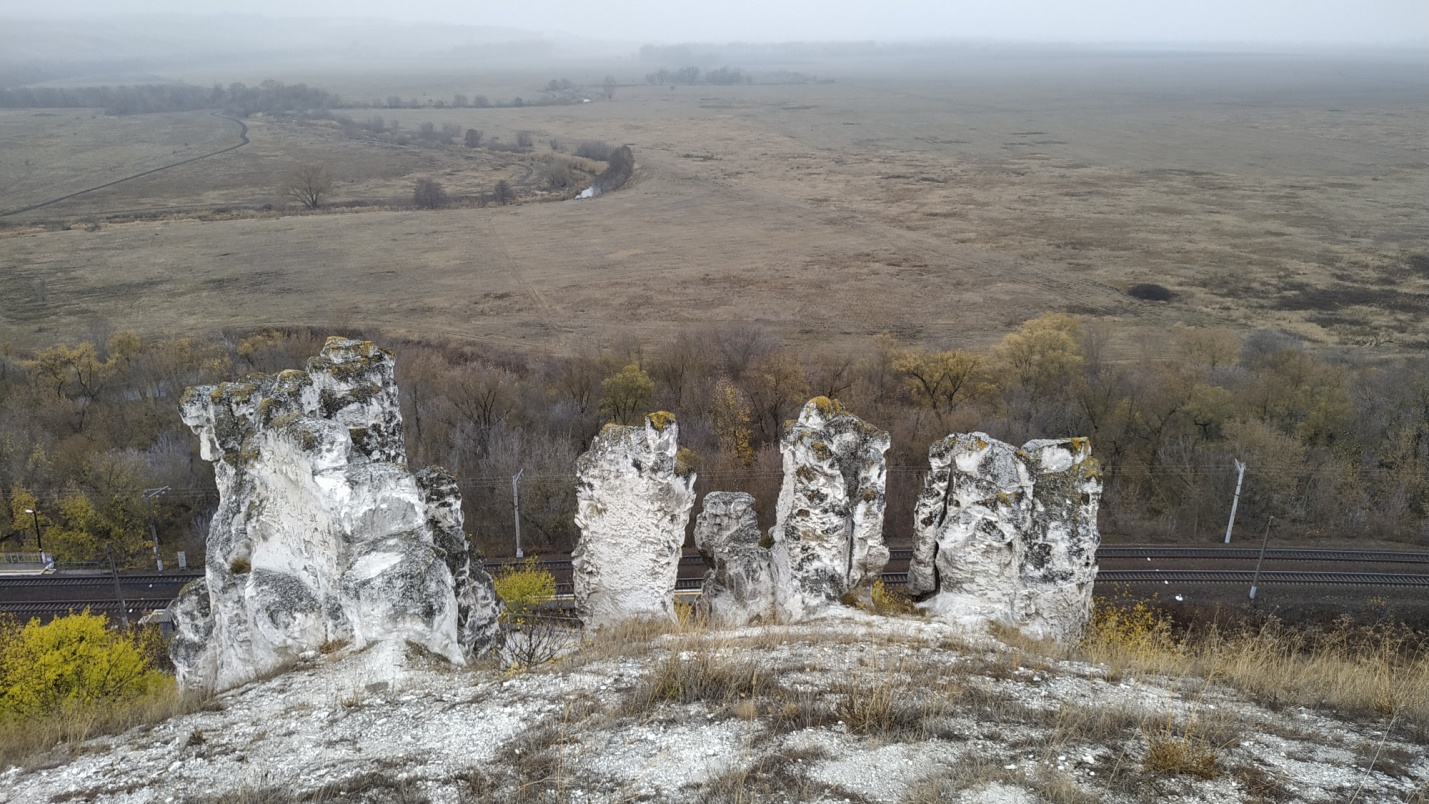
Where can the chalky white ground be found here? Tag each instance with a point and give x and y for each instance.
(338, 718)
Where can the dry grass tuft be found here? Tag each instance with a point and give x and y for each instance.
(1189, 748)
(691, 673)
(775, 777)
(44, 740)
(1379, 671)
(1178, 755)
(886, 705)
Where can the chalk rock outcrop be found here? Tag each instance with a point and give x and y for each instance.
(828, 532)
(1008, 535)
(632, 505)
(322, 535)
(739, 587)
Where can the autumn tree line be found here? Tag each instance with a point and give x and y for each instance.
(1336, 443)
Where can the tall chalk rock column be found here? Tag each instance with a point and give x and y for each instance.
(632, 505)
(1008, 535)
(828, 532)
(322, 535)
(739, 586)
(1059, 566)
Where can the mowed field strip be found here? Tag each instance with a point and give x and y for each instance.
(944, 206)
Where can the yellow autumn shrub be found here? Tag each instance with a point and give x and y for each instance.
(522, 587)
(73, 662)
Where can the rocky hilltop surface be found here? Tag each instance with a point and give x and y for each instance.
(853, 708)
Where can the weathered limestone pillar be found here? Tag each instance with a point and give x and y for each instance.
(632, 505)
(828, 535)
(739, 587)
(1008, 535)
(322, 534)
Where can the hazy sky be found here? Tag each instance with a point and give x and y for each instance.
(1320, 21)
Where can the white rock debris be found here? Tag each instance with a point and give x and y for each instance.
(1008, 535)
(632, 505)
(322, 535)
(337, 728)
(828, 532)
(739, 587)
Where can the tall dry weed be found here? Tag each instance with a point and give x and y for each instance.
(1373, 671)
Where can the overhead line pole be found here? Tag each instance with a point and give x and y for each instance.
(149, 495)
(1240, 475)
(1256, 580)
(516, 508)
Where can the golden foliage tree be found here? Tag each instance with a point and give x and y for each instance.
(730, 414)
(626, 394)
(941, 381)
(523, 587)
(1044, 354)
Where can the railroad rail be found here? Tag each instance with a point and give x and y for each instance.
(149, 591)
(105, 580)
(1266, 577)
(1273, 554)
(137, 606)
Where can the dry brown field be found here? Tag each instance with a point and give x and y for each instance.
(944, 202)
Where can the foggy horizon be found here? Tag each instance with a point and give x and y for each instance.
(1101, 22)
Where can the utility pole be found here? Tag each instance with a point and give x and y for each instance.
(1256, 580)
(149, 495)
(1240, 475)
(516, 508)
(118, 592)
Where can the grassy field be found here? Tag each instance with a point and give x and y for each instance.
(945, 203)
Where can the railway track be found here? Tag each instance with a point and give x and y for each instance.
(137, 606)
(1275, 554)
(1266, 577)
(41, 595)
(176, 580)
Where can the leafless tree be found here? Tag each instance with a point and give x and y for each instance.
(429, 194)
(308, 184)
(473, 138)
(502, 193)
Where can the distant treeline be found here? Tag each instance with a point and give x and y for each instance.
(692, 75)
(237, 98)
(745, 51)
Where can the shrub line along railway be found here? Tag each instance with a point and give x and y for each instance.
(49, 595)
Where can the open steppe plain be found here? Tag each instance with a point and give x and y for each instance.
(943, 201)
